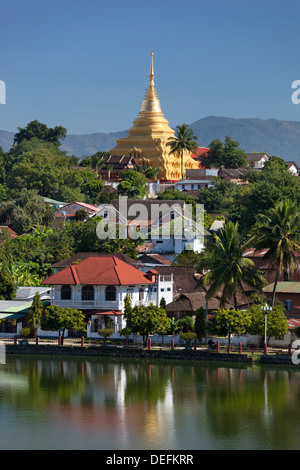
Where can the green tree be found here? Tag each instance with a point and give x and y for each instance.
(147, 320)
(225, 322)
(35, 313)
(59, 319)
(186, 324)
(152, 173)
(229, 270)
(227, 154)
(8, 287)
(105, 332)
(127, 309)
(26, 211)
(133, 184)
(221, 196)
(184, 141)
(277, 324)
(93, 189)
(84, 238)
(267, 187)
(40, 131)
(81, 215)
(278, 229)
(200, 324)
(173, 326)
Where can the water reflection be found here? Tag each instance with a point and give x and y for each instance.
(53, 403)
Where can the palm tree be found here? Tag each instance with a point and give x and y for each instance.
(278, 229)
(185, 140)
(228, 269)
(110, 168)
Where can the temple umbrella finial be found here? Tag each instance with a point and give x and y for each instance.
(151, 68)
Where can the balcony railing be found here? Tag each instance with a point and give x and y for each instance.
(89, 304)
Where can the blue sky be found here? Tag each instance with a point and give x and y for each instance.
(85, 64)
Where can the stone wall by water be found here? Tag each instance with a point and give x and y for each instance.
(112, 351)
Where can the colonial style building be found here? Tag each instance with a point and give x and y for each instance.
(98, 285)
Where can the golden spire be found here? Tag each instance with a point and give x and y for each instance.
(151, 103)
(152, 69)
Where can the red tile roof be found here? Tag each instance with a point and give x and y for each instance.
(104, 312)
(99, 271)
(293, 323)
(198, 154)
(11, 232)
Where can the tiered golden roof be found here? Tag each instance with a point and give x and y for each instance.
(146, 139)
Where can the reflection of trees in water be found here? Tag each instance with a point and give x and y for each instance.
(252, 402)
(231, 405)
(48, 380)
(145, 383)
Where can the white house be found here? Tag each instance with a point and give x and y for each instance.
(196, 179)
(98, 287)
(293, 167)
(169, 224)
(256, 160)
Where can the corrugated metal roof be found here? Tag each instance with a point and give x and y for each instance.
(284, 286)
(11, 316)
(14, 306)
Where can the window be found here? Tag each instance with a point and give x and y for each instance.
(110, 293)
(130, 292)
(141, 294)
(87, 293)
(288, 304)
(105, 215)
(66, 293)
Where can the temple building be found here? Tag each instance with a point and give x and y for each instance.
(146, 140)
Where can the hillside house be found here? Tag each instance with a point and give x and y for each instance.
(196, 179)
(293, 167)
(68, 212)
(167, 223)
(256, 160)
(234, 175)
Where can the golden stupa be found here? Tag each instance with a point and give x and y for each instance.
(147, 138)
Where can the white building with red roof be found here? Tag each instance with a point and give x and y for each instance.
(98, 286)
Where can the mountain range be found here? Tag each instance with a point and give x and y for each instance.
(271, 136)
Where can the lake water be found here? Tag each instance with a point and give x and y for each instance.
(92, 403)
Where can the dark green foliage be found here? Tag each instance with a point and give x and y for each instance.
(8, 287)
(227, 155)
(59, 319)
(133, 184)
(35, 312)
(41, 132)
(200, 325)
(186, 324)
(26, 211)
(184, 141)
